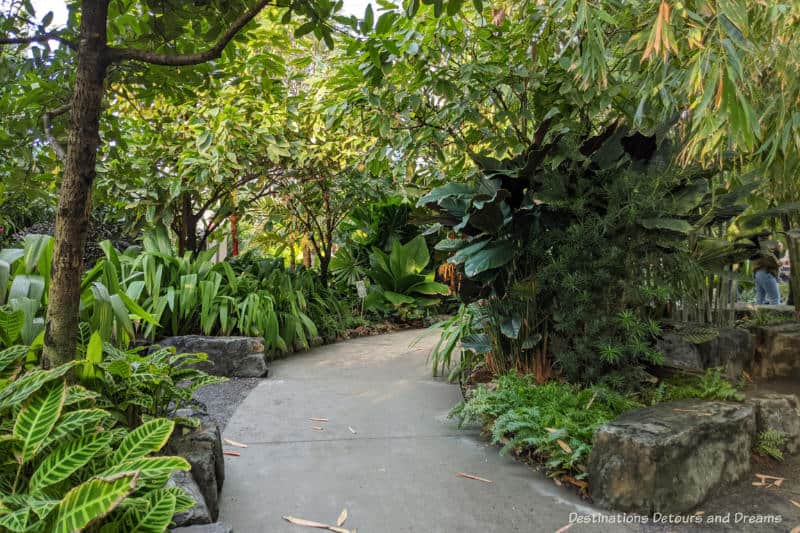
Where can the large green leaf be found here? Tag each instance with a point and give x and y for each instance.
(93, 500)
(16, 392)
(147, 438)
(37, 418)
(149, 467)
(38, 251)
(430, 287)
(76, 424)
(67, 459)
(11, 355)
(11, 324)
(488, 258)
(158, 516)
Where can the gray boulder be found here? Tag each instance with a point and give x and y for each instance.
(779, 412)
(669, 457)
(216, 527)
(199, 513)
(202, 448)
(241, 357)
(778, 350)
(733, 350)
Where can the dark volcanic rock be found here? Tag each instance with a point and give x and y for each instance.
(202, 448)
(216, 527)
(733, 351)
(778, 350)
(227, 356)
(667, 458)
(779, 412)
(199, 513)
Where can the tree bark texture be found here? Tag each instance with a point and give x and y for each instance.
(72, 214)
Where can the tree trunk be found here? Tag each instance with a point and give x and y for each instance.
(72, 214)
(793, 245)
(234, 235)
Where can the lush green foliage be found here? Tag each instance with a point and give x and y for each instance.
(399, 283)
(710, 386)
(578, 247)
(555, 420)
(24, 279)
(69, 466)
(771, 443)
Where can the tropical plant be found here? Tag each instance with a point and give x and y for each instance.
(771, 443)
(578, 243)
(136, 385)
(24, 278)
(557, 421)
(69, 467)
(400, 285)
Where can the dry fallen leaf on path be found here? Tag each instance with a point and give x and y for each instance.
(342, 518)
(318, 428)
(795, 530)
(777, 481)
(796, 504)
(234, 454)
(759, 484)
(563, 529)
(310, 523)
(353, 431)
(234, 443)
(577, 482)
(476, 478)
(564, 446)
(319, 419)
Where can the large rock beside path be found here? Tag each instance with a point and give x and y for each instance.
(778, 350)
(669, 457)
(778, 412)
(241, 357)
(733, 350)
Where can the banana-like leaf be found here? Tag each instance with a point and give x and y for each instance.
(68, 459)
(93, 500)
(38, 251)
(36, 419)
(5, 276)
(149, 437)
(32, 325)
(430, 287)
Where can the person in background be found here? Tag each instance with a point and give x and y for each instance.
(767, 270)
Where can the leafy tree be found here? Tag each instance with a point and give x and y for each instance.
(97, 47)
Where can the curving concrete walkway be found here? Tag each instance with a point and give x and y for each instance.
(397, 472)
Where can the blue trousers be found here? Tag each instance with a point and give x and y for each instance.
(767, 291)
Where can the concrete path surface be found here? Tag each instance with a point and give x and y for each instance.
(395, 471)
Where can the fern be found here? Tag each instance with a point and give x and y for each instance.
(771, 443)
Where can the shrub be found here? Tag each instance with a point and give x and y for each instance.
(771, 443)
(69, 465)
(555, 420)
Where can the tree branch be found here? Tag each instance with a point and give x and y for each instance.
(117, 55)
(48, 130)
(41, 38)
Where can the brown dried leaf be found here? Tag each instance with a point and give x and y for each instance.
(563, 529)
(342, 518)
(233, 454)
(476, 478)
(796, 504)
(564, 446)
(306, 523)
(583, 485)
(318, 428)
(234, 443)
(319, 419)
